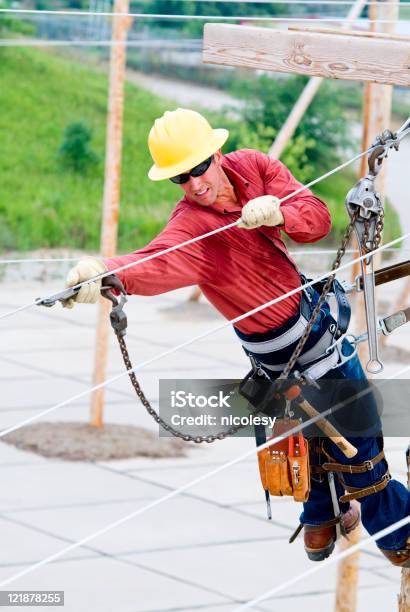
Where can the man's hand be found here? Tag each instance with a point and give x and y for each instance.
(86, 268)
(264, 210)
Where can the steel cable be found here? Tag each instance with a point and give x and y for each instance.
(334, 559)
(295, 253)
(159, 16)
(196, 481)
(195, 339)
(196, 238)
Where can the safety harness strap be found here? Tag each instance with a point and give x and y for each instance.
(359, 468)
(358, 493)
(331, 523)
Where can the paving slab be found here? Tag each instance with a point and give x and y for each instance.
(22, 545)
(228, 569)
(106, 585)
(196, 551)
(170, 524)
(52, 482)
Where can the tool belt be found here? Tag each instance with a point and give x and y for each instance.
(284, 466)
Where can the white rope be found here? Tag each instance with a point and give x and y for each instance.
(192, 240)
(295, 2)
(27, 42)
(159, 16)
(181, 489)
(294, 253)
(45, 260)
(223, 228)
(192, 340)
(318, 567)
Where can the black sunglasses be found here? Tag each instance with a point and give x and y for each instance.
(196, 171)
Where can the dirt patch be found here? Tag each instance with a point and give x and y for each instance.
(81, 442)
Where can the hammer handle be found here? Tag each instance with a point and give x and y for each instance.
(347, 449)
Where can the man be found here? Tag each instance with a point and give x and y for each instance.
(238, 270)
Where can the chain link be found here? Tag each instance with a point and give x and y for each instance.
(152, 412)
(379, 230)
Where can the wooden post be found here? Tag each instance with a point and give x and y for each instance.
(288, 129)
(404, 596)
(111, 193)
(377, 117)
(348, 574)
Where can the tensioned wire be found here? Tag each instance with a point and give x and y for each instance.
(159, 16)
(312, 252)
(196, 238)
(205, 334)
(204, 477)
(334, 559)
(295, 2)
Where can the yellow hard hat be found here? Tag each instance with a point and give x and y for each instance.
(180, 140)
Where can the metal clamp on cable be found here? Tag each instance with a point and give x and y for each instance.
(66, 294)
(118, 318)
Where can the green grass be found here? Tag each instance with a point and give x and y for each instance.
(43, 203)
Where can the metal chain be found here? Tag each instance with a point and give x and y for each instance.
(284, 375)
(366, 234)
(339, 255)
(234, 429)
(152, 412)
(379, 230)
(370, 245)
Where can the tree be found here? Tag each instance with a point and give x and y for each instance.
(76, 151)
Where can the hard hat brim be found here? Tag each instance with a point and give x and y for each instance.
(219, 137)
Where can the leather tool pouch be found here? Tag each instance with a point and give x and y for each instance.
(284, 467)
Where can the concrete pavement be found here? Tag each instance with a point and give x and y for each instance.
(207, 549)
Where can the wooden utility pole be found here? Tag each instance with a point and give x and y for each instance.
(376, 117)
(404, 596)
(369, 59)
(311, 88)
(111, 199)
(348, 574)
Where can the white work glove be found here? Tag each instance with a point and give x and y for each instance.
(86, 268)
(264, 210)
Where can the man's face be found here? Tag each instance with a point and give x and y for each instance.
(204, 189)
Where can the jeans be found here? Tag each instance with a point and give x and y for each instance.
(379, 510)
(359, 422)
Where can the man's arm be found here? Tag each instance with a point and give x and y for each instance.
(191, 265)
(307, 218)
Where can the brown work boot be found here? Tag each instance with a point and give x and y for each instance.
(320, 539)
(400, 558)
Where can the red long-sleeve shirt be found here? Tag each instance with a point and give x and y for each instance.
(237, 269)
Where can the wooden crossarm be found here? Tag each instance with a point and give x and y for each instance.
(342, 56)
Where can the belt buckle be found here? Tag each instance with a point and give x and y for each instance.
(369, 465)
(307, 294)
(338, 346)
